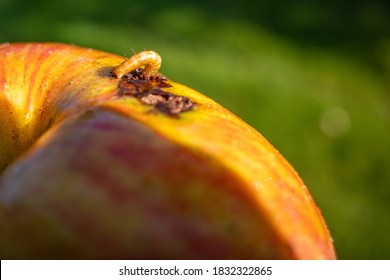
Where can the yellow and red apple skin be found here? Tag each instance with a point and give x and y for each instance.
(89, 174)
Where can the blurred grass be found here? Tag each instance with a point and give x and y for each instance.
(312, 77)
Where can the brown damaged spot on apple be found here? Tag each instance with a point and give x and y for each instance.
(149, 91)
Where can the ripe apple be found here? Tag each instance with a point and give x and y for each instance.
(100, 165)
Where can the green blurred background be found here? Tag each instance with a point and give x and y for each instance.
(312, 76)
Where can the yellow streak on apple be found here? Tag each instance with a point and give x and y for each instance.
(44, 84)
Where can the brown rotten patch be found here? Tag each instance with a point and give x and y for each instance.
(149, 91)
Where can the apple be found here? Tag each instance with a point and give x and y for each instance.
(98, 163)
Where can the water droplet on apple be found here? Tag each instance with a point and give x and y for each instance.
(44, 85)
(258, 185)
(4, 86)
(27, 117)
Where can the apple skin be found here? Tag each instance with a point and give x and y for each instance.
(90, 175)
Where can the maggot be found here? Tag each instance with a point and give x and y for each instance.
(149, 59)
